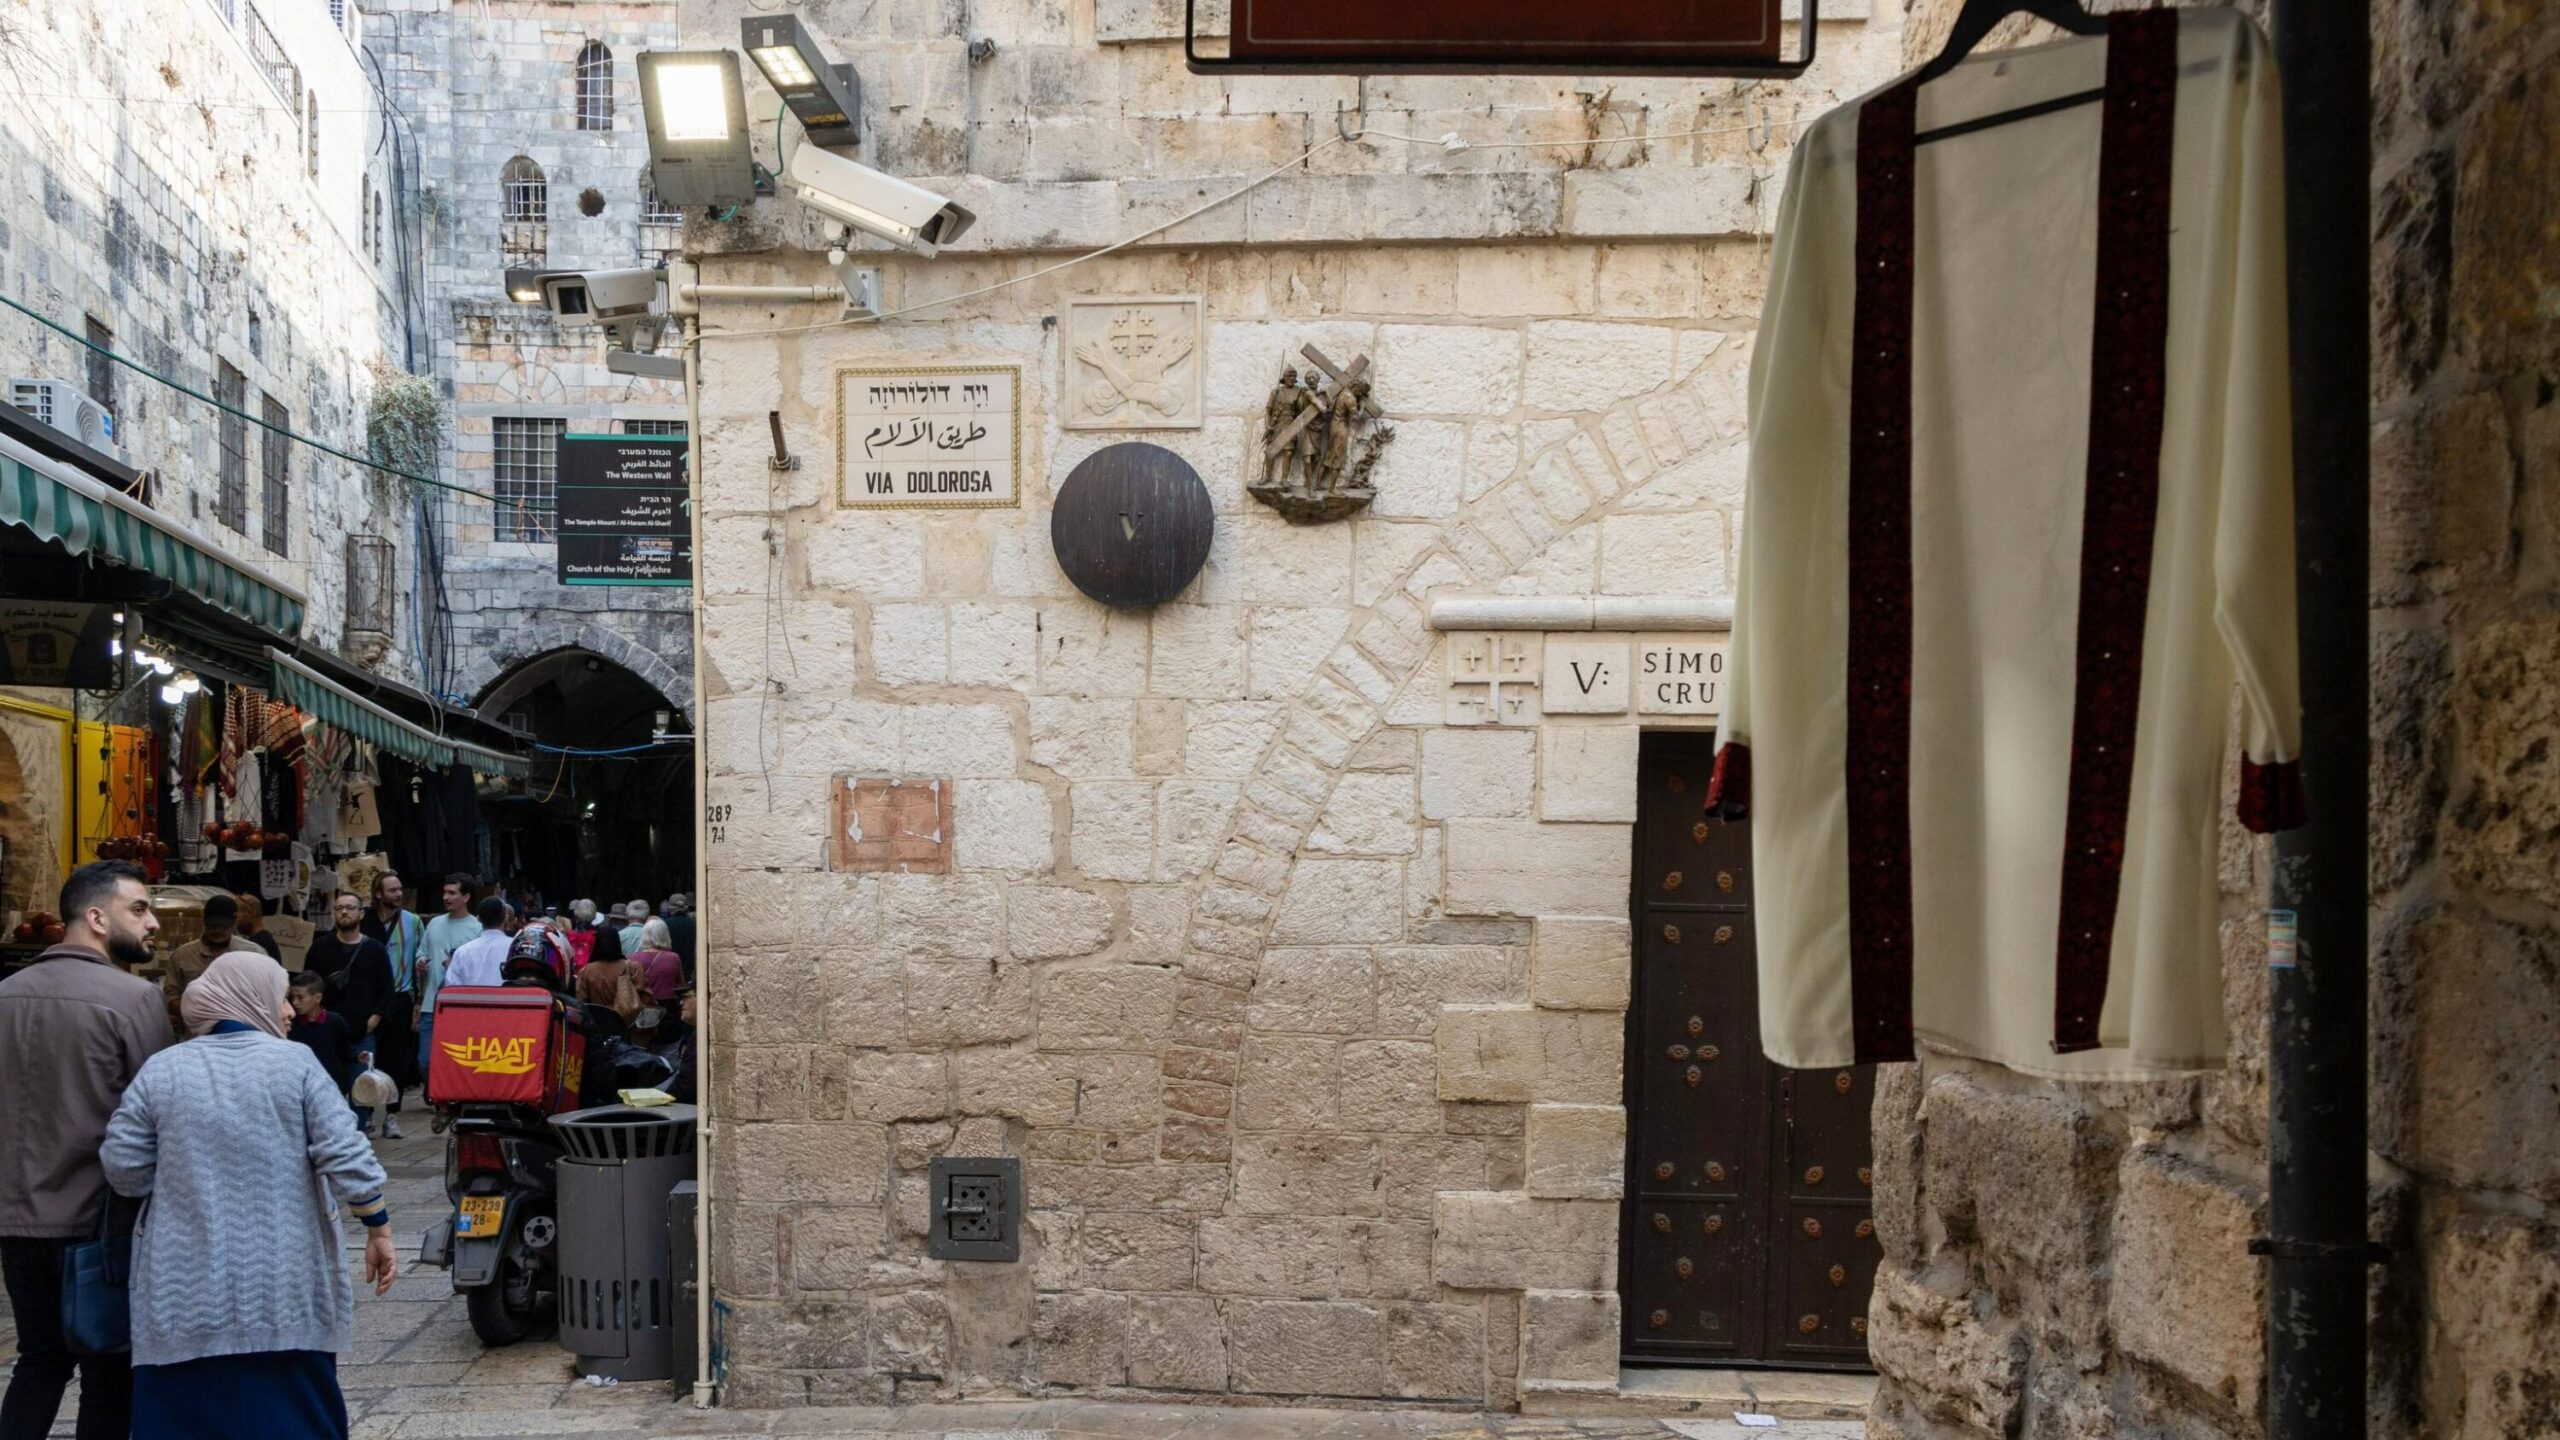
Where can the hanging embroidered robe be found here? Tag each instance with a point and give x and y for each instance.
(2020, 514)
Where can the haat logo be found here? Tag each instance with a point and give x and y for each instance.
(483, 1055)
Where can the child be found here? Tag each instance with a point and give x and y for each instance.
(326, 1034)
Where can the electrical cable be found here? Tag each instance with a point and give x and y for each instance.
(1204, 208)
(262, 423)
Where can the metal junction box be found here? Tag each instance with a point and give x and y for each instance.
(977, 1209)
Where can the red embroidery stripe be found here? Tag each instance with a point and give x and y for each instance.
(2128, 367)
(1729, 788)
(1879, 650)
(2271, 796)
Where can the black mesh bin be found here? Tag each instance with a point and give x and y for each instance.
(618, 1296)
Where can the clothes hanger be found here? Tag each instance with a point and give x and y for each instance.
(1974, 22)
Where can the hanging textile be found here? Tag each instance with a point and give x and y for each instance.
(2020, 515)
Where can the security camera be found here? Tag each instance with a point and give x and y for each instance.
(587, 297)
(901, 212)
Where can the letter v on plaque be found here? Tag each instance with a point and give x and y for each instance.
(1585, 676)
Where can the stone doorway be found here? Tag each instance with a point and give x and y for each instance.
(1747, 1234)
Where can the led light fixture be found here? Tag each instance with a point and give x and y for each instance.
(826, 97)
(696, 112)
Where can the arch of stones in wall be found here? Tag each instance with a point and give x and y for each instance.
(485, 674)
(1556, 1042)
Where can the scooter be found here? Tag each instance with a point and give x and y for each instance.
(502, 1240)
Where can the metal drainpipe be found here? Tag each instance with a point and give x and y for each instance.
(703, 1393)
(2316, 1066)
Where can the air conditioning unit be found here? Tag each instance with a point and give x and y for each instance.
(67, 408)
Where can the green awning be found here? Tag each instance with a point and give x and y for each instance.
(333, 704)
(60, 503)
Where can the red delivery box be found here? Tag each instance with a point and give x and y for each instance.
(506, 1045)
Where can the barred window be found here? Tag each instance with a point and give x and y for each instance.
(652, 427)
(526, 449)
(231, 490)
(102, 369)
(275, 467)
(595, 87)
(379, 204)
(311, 134)
(527, 194)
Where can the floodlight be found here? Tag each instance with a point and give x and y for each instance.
(696, 113)
(826, 97)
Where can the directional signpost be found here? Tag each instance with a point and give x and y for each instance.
(623, 516)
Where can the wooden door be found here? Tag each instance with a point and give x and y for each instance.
(1747, 1233)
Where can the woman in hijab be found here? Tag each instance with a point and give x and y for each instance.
(245, 1151)
(660, 967)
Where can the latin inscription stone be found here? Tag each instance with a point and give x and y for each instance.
(1586, 677)
(1680, 675)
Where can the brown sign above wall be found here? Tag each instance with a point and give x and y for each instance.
(1689, 37)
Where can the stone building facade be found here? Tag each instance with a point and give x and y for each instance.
(191, 185)
(1294, 979)
(529, 151)
(2071, 1260)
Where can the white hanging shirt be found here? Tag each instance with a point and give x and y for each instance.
(2021, 512)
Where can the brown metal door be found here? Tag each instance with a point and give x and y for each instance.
(1747, 1230)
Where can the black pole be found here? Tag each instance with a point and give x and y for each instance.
(2316, 1067)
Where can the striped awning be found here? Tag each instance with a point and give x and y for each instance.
(334, 705)
(87, 517)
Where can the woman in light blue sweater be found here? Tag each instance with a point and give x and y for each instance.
(245, 1150)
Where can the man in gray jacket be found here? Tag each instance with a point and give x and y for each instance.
(74, 1027)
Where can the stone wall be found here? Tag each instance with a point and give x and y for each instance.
(2069, 1260)
(1298, 990)
(159, 183)
(483, 85)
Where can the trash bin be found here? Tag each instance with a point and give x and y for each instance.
(618, 1300)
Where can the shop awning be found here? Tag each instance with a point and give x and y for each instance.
(61, 504)
(332, 704)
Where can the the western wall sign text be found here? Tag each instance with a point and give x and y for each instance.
(935, 437)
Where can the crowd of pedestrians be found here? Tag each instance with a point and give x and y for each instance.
(220, 1165)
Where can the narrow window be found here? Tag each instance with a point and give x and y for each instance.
(275, 466)
(595, 87)
(524, 232)
(652, 427)
(311, 134)
(526, 451)
(102, 370)
(231, 491)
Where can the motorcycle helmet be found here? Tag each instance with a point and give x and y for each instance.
(535, 957)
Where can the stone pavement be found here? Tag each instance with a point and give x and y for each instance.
(416, 1372)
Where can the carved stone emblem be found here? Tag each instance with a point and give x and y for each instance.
(1321, 435)
(1133, 363)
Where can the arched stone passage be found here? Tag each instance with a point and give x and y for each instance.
(486, 674)
(609, 812)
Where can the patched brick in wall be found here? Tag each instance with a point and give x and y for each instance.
(896, 825)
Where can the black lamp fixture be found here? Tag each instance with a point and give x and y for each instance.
(696, 111)
(825, 96)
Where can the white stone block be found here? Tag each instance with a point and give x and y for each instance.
(1369, 814)
(1587, 677)
(1577, 1152)
(1522, 867)
(1287, 644)
(1587, 772)
(1198, 652)
(1112, 829)
(1342, 902)
(958, 741)
(1468, 772)
(1226, 739)
(1652, 553)
(1002, 825)
(1466, 371)
(1584, 365)
(1191, 819)
(908, 646)
(994, 644)
(1083, 739)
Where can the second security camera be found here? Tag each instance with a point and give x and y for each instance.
(901, 212)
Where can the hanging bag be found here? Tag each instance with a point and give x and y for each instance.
(96, 1309)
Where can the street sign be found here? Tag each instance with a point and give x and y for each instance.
(1586, 37)
(935, 437)
(623, 511)
(56, 643)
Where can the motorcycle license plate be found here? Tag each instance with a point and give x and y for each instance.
(476, 1217)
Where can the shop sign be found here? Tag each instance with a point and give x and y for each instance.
(1356, 35)
(929, 438)
(623, 511)
(56, 644)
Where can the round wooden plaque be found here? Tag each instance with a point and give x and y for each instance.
(1131, 524)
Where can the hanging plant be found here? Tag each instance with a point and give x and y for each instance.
(403, 424)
